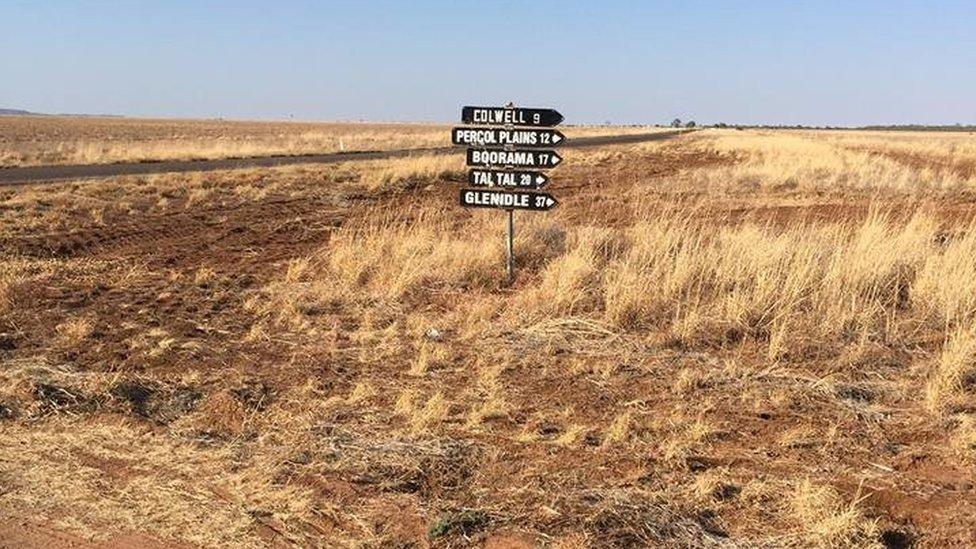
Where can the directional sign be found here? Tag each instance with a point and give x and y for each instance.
(513, 178)
(498, 137)
(514, 116)
(507, 200)
(515, 158)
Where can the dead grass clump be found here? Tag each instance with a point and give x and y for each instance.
(633, 518)
(429, 357)
(376, 267)
(537, 239)
(33, 388)
(837, 283)
(72, 333)
(952, 383)
(946, 283)
(681, 437)
(427, 415)
(493, 407)
(17, 275)
(963, 439)
(220, 414)
(570, 282)
(171, 489)
(619, 430)
(826, 520)
(407, 173)
(7, 289)
(392, 262)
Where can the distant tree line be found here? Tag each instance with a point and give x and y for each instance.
(677, 123)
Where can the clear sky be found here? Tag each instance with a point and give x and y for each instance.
(846, 62)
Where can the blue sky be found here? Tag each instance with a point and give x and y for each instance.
(819, 62)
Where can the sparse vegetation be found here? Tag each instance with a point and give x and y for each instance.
(40, 140)
(755, 338)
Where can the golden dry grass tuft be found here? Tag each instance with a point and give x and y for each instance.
(952, 382)
(826, 520)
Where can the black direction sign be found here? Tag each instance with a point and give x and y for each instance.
(507, 200)
(514, 116)
(499, 137)
(516, 158)
(513, 178)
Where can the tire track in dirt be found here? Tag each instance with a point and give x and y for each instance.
(173, 236)
(24, 534)
(181, 274)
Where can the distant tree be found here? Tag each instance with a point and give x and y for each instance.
(690, 124)
(721, 125)
(676, 123)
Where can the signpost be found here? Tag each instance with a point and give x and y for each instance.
(508, 159)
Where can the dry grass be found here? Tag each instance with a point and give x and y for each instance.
(74, 332)
(952, 381)
(65, 140)
(827, 520)
(419, 170)
(843, 283)
(34, 140)
(842, 161)
(749, 339)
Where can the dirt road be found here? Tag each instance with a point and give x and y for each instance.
(40, 174)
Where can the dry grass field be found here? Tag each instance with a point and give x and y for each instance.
(729, 339)
(41, 140)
